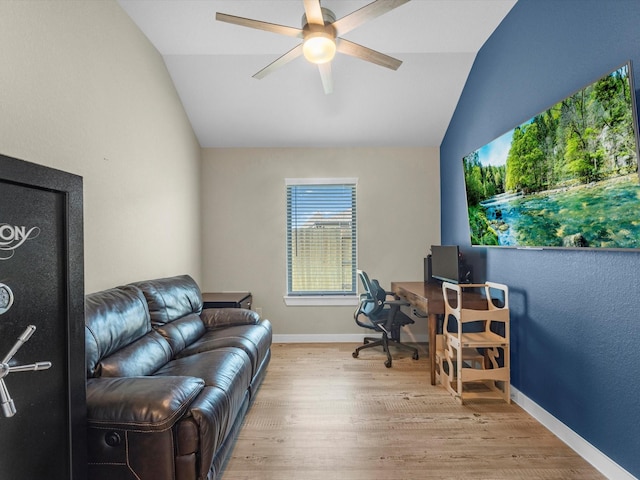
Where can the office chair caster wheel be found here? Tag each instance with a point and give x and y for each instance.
(416, 356)
(355, 354)
(387, 364)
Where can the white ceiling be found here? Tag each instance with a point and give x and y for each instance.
(212, 63)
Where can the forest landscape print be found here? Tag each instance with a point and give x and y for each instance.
(568, 177)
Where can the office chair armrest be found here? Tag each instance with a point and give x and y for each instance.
(392, 318)
(399, 302)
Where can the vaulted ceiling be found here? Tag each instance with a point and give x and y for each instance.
(212, 63)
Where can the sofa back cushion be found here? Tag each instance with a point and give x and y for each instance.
(174, 305)
(118, 336)
(140, 358)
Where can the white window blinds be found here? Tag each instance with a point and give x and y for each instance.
(321, 236)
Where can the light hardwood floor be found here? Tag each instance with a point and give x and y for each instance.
(321, 414)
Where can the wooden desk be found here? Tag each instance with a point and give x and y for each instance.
(427, 297)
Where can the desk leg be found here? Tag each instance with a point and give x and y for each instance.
(433, 324)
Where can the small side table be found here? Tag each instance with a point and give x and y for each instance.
(227, 300)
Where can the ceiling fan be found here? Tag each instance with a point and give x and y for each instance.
(321, 34)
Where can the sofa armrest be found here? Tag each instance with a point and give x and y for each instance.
(226, 317)
(139, 403)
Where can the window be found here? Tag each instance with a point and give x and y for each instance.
(321, 237)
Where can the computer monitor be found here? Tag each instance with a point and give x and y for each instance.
(445, 263)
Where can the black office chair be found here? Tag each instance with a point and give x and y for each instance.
(384, 316)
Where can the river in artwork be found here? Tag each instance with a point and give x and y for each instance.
(602, 214)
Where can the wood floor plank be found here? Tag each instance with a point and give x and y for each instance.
(321, 414)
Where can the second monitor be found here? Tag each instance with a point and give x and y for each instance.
(446, 264)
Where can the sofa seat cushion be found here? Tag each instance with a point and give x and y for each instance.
(255, 340)
(228, 369)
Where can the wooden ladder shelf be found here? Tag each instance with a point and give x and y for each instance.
(473, 351)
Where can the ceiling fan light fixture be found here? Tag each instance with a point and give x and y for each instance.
(319, 47)
(322, 35)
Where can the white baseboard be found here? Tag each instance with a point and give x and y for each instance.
(337, 338)
(591, 454)
(317, 338)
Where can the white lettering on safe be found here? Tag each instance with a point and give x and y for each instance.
(12, 237)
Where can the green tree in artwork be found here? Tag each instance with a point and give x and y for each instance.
(578, 163)
(482, 181)
(610, 93)
(582, 158)
(525, 161)
(612, 97)
(473, 179)
(513, 163)
(547, 128)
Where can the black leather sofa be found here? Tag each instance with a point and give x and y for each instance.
(168, 383)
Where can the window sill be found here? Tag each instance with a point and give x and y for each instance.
(321, 301)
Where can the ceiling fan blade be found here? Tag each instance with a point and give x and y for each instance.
(260, 25)
(325, 75)
(364, 53)
(366, 13)
(313, 12)
(284, 59)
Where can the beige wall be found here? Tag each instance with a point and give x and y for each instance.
(244, 222)
(82, 90)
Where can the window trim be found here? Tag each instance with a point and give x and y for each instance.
(321, 299)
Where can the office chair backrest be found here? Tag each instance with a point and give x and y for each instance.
(376, 303)
(364, 278)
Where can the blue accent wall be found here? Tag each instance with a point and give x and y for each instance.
(575, 314)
